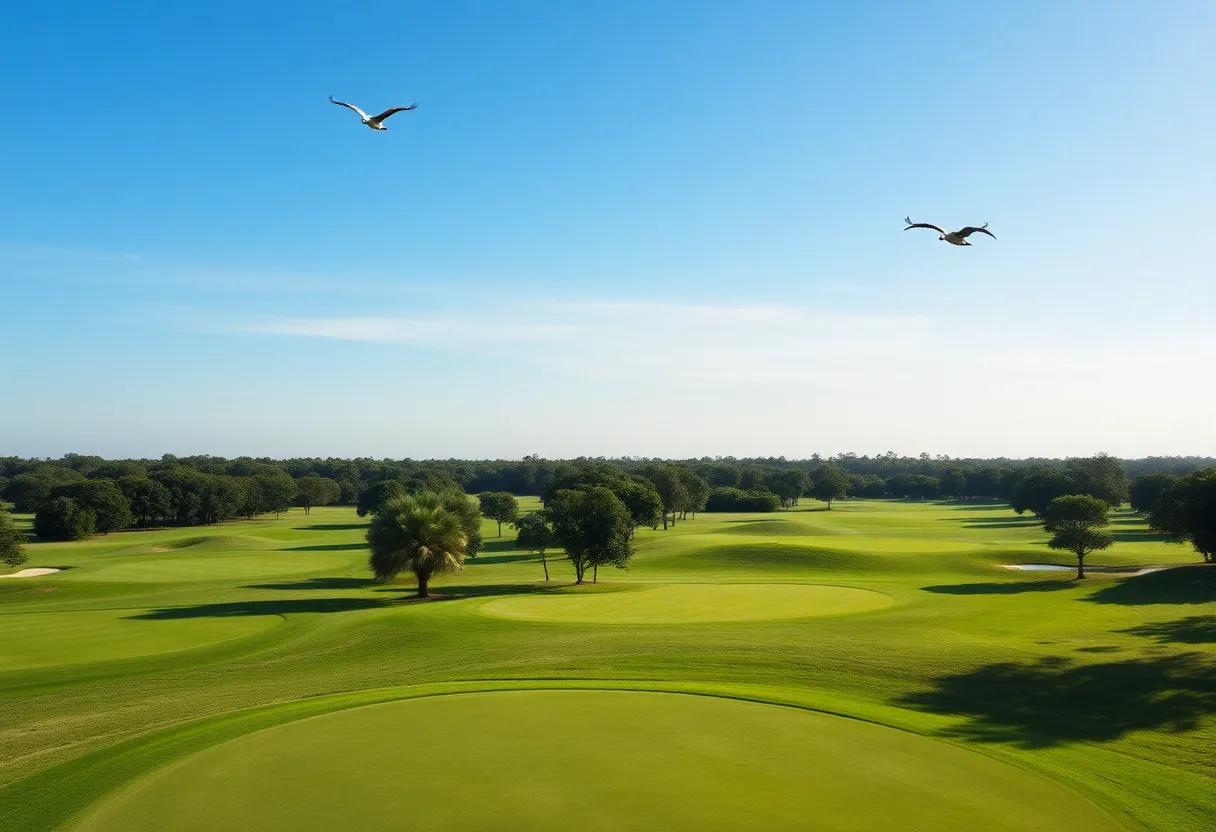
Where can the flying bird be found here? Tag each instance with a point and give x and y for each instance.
(373, 122)
(956, 238)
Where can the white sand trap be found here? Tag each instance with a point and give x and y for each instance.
(1053, 567)
(36, 572)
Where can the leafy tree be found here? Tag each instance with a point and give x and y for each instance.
(1038, 488)
(110, 507)
(870, 486)
(64, 519)
(28, 491)
(671, 489)
(736, 500)
(535, 532)
(12, 552)
(1147, 490)
(829, 483)
(1075, 521)
(375, 496)
(695, 493)
(457, 502)
(1101, 476)
(418, 533)
(348, 492)
(722, 476)
(277, 492)
(788, 484)
(150, 501)
(954, 482)
(316, 491)
(1187, 512)
(594, 528)
(500, 506)
(642, 501)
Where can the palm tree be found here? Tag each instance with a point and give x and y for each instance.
(419, 534)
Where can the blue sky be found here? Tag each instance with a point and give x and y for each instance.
(609, 228)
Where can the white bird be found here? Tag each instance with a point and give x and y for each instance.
(956, 238)
(373, 122)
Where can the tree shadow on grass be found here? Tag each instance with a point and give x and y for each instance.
(327, 547)
(268, 607)
(1178, 585)
(1134, 535)
(998, 523)
(1194, 629)
(319, 583)
(1005, 588)
(330, 527)
(1056, 701)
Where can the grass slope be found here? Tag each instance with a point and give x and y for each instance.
(1107, 687)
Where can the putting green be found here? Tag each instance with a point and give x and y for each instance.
(590, 760)
(690, 604)
(50, 639)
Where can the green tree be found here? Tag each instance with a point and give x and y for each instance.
(1075, 522)
(110, 507)
(695, 493)
(28, 491)
(594, 528)
(829, 483)
(64, 519)
(788, 484)
(277, 492)
(870, 486)
(375, 496)
(1147, 490)
(12, 552)
(417, 533)
(953, 482)
(1187, 512)
(316, 491)
(499, 506)
(534, 532)
(1100, 476)
(642, 501)
(671, 489)
(150, 501)
(1038, 488)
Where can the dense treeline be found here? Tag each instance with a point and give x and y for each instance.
(79, 495)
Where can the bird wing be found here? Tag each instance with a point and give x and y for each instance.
(390, 111)
(971, 229)
(922, 225)
(351, 106)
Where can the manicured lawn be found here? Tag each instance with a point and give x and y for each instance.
(145, 673)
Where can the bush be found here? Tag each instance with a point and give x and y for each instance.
(64, 519)
(733, 499)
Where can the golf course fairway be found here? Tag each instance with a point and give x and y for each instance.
(506, 760)
(690, 604)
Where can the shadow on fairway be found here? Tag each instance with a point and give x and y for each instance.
(271, 607)
(1134, 535)
(1007, 588)
(993, 522)
(1178, 585)
(330, 527)
(327, 547)
(319, 583)
(1055, 700)
(1194, 629)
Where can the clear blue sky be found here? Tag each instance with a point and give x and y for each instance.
(609, 228)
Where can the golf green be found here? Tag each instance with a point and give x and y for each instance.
(690, 604)
(590, 760)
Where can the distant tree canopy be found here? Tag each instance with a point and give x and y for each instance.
(28, 491)
(109, 505)
(828, 483)
(953, 483)
(316, 491)
(868, 486)
(737, 500)
(534, 532)
(1147, 490)
(500, 506)
(1075, 522)
(913, 486)
(1186, 512)
(12, 550)
(62, 518)
(1038, 488)
(1100, 476)
(594, 528)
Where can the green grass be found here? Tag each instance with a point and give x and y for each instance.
(641, 761)
(161, 652)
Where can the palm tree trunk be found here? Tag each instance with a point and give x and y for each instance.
(424, 578)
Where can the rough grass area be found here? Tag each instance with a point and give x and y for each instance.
(151, 650)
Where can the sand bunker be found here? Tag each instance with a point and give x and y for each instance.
(36, 572)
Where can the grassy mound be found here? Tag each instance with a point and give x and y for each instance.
(642, 761)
